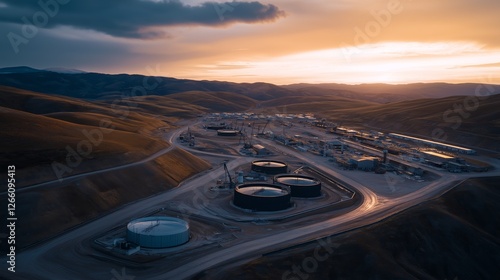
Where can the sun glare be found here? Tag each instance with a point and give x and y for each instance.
(393, 62)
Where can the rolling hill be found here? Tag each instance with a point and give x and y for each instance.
(385, 93)
(38, 129)
(105, 86)
(454, 236)
(477, 127)
(50, 137)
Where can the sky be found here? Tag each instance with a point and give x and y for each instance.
(276, 41)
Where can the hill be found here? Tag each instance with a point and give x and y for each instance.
(18, 69)
(451, 237)
(74, 83)
(104, 86)
(320, 105)
(38, 130)
(385, 93)
(477, 127)
(49, 137)
(72, 202)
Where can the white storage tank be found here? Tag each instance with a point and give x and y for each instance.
(158, 232)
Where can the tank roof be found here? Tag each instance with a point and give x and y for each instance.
(269, 163)
(158, 226)
(263, 190)
(296, 180)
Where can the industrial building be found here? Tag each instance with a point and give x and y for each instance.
(269, 167)
(437, 157)
(364, 163)
(260, 150)
(261, 197)
(227, 132)
(158, 232)
(215, 126)
(434, 144)
(300, 185)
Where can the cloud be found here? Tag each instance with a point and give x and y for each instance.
(137, 18)
(497, 64)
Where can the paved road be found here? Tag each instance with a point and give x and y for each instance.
(369, 212)
(38, 263)
(169, 137)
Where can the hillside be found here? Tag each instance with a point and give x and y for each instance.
(216, 101)
(321, 105)
(72, 202)
(480, 127)
(104, 86)
(49, 137)
(384, 93)
(451, 237)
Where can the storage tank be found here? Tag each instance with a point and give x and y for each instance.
(227, 132)
(261, 197)
(300, 185)
(158, 232)
(269, 167)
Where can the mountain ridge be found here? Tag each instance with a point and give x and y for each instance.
(102, 86)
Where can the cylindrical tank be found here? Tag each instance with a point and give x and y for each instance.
(227, 132)
(300, 185)
(261, 197)
(269, 167)
(158, 232)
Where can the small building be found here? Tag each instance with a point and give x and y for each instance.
(365, 163)
(260, 150)
(456, 167)
(437, 157)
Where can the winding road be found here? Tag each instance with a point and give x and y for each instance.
(38, 262)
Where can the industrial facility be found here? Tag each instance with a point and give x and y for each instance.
(364, 163)
(158, 232)
(261, 197)
(269, 167)
(227, 132)
(433, 144)
(300, 185)
(260, 150)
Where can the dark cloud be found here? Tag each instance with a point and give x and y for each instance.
(46, 50)
(135, 18)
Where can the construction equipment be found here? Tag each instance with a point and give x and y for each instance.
(228, 180)
(264, 129)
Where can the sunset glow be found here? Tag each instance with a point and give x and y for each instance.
(283, 41)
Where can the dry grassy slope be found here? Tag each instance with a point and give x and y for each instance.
(125, 116)
(479, 129)
(383, 93)
(318, 104)
(216, 101)
(59, 208)
(453, 237)
(36, 130)
(418, 117)
(166, 106)
(32, 142)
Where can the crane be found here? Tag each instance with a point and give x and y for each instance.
(264, 129)
(228, 177)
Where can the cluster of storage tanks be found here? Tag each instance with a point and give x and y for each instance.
(276, 196)
(165, 232)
